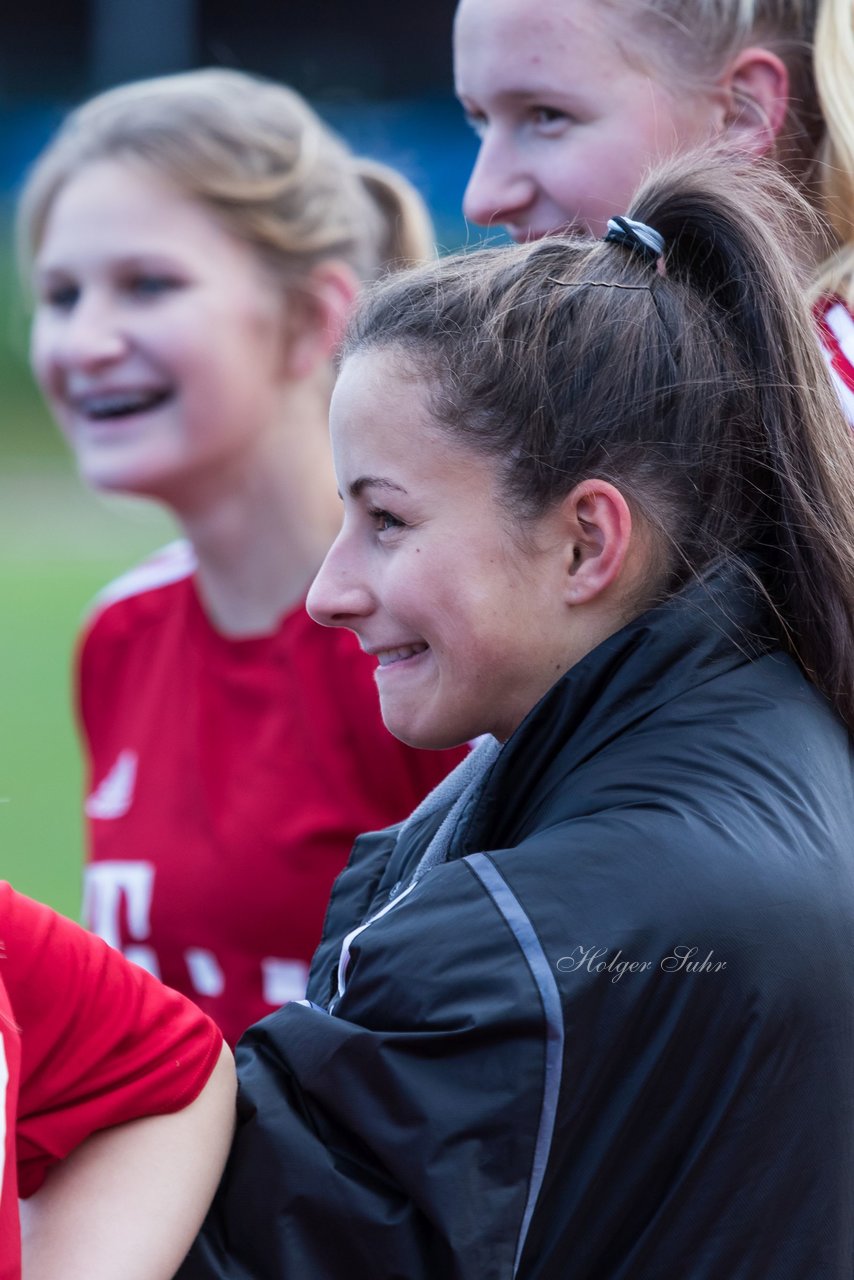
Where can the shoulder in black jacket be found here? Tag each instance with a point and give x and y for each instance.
(611, 1035)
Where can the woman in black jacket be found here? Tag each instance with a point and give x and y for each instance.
(589, 1013)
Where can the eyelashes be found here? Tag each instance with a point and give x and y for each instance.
(383, 520)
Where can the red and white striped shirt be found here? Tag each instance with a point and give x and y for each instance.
(836, 327)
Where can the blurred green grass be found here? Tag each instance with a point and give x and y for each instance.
(58, 545)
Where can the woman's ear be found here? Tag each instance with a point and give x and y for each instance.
(598, 522)
(317, 311)
(757, 86)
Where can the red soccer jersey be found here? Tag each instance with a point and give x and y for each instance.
(86, 1041)
(228, 779)
(836, 326)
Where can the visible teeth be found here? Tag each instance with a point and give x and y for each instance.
(388, 656)
(118, 404)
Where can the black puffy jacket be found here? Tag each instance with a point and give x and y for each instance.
(611, 1036)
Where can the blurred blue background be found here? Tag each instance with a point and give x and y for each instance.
(379, 72)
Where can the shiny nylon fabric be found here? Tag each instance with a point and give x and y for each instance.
(681, 790)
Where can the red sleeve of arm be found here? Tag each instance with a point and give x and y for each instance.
(102, 1041)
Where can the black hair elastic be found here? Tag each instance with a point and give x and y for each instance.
(636, 236)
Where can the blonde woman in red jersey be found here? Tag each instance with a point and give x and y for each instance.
(197, 242)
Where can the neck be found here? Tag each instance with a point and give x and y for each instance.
(261, 525)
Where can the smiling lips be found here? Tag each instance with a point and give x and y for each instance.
(387, 657)
(105, 405)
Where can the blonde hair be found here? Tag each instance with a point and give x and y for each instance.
(254, 153)
(834, 68)
(815, 40)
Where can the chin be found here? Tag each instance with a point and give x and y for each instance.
(427, 737)
(138, 477)
(113, 480)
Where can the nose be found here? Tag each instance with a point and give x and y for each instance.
(499, 189)
(339, 596)
(90, 337)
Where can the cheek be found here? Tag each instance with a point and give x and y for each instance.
(41, 355)
(664, 127)
(468, 619)
(608, 184)
(595, 182)
(214, 361)
(420, 596)
(626, 160)
(257, 316)
(248, 352)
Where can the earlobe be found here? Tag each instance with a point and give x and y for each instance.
(599, 524)
(758, 87)
(319, 310)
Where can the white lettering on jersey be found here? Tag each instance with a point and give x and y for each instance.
(4, 1081)
(283, 980)
(145, 957)
(105, 884)
(205, 974)
(113, 795)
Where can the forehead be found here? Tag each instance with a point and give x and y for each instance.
(543, 31)
(113, 203)
(522, 46)
(377, 402)
(545, 16)
(382, 422)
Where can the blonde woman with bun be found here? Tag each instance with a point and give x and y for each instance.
(575, 100)
(196, 243)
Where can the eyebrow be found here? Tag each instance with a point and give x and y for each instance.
(47, 270)
(525, 94)
(153, 259)
(372, 482)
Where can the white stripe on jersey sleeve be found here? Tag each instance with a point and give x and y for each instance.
(170, 564)
(844, 392)
(840, 322)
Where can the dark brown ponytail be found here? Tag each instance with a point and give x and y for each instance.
(783, 485)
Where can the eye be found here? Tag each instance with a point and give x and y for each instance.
(151, 285)
(61, 296)
(384, 521)
(549, 119)
(477, 122)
